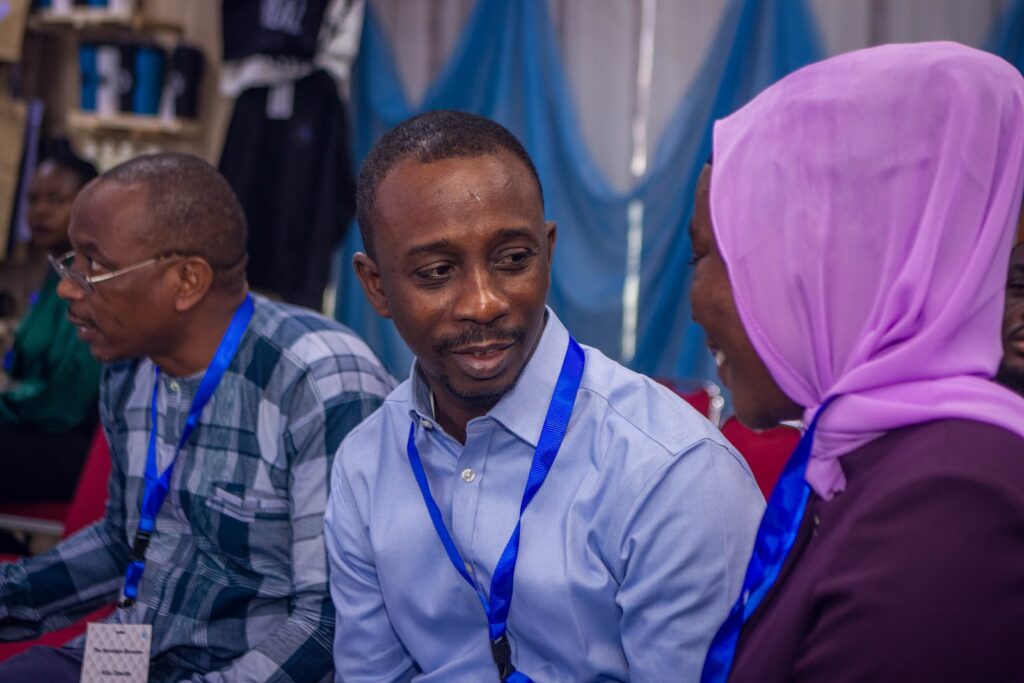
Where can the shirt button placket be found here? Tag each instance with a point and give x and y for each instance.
(467, 491)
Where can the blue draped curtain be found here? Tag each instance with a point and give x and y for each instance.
(507, 66)
(1007, 36)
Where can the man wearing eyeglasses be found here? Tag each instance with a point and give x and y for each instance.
(222, 410)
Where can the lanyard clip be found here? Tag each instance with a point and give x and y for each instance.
(140, 544)
(132, 577)
(501, 651)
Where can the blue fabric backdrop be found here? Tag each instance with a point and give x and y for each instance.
(1007, 36)
(507, 66)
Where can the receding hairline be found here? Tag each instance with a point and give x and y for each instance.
(515, 169)
(191, 207)
(99, 183)
(429, 137)
(512, 164)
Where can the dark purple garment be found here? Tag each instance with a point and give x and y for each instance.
(914, 573)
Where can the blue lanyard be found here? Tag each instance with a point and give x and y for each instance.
(775, 537)
(157, 485)
(555, 423)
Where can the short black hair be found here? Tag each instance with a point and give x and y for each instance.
(58, 152)
(432, 136)
(193, 211)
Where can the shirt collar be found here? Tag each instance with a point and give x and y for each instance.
(523, 409)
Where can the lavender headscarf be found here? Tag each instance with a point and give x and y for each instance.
(865, 208)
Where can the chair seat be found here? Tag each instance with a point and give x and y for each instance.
(55, 510)
(35, 518)
(64, 519)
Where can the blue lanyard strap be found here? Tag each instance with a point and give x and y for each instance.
(555, 424)
(158, 484)
(775, 537)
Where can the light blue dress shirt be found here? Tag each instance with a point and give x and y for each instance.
(631, 553)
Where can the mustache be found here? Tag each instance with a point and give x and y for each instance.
(73, 313)
(480, 334)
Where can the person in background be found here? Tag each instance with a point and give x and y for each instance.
(223, 411)
(638, 514)
(50, 382)
(851, 238)
(1011, 369)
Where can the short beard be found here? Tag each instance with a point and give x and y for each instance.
(1011, 379)
(480, 334)
(483, 400)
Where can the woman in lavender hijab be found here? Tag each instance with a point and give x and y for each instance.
(851, 242)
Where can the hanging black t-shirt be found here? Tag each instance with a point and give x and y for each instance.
(287, 28)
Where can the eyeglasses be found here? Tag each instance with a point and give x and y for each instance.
(62, 264)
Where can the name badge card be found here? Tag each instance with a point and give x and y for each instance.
(117, 652)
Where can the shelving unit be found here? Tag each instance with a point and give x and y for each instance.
(109, 137)
(83, 19)
(131, 124)
(47, 70)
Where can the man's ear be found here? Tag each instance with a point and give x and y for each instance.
(552, 232)
(369, 277)
(195, 277)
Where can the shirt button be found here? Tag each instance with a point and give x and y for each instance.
(174, 386)
(426, 424)
(468, 475)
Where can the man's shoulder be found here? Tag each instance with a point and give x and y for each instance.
(386, 422)
(305, 335)
(643, 408)
(310, 343)
(648, 434)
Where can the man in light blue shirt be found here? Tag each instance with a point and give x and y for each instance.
(634, 545)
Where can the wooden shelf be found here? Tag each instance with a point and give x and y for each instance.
(83, 18)
(132, 124)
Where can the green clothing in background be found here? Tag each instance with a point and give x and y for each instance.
(55, 378)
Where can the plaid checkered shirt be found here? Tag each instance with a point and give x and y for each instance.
(235, 584)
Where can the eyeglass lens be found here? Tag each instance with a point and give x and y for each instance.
(63, 267)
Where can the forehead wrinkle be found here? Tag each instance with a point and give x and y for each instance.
(458, 188)
(413, 190)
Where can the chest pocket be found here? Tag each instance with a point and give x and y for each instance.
(251, 528)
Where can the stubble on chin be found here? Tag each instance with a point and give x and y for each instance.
(480, 400)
